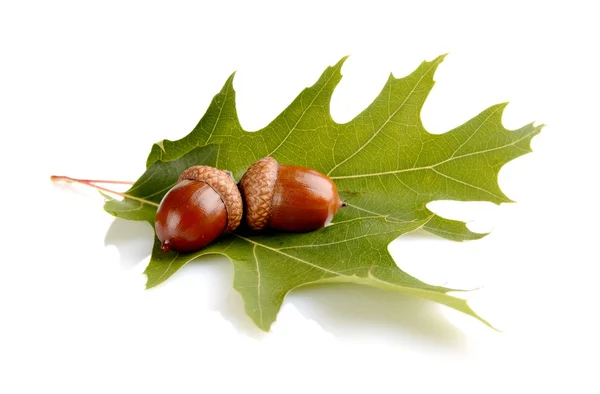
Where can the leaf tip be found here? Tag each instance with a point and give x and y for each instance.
(481, 319)
(430, 67)
(439, 59)
(263, 327)
(341, 62)
(497, 110)
(466, 309)
(228, 85)
(487, 323)
(476, 236)
(231, 77)
(161, 145)
(537, 129)
(149, 282)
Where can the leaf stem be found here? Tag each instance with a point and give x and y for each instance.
(92, 183)
(56, 178)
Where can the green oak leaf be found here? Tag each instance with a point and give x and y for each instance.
(386, 164)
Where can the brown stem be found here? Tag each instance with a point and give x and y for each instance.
(56, 178)
(92, 183)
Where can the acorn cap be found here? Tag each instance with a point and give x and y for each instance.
(257, 186)
(224, 185)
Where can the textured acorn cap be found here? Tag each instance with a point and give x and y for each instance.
(257, 186)
(224, 185)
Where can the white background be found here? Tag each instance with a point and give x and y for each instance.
(87, 87)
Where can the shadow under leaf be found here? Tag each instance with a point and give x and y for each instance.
(347, 311)
(357, 312)
(132, 239)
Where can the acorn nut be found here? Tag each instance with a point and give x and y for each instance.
(287, 197)
(204, 204)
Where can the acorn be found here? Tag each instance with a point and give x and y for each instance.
(287, 197)
(204, 204)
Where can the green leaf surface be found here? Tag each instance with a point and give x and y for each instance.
(387, 166)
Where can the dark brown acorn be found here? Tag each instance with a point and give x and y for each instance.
(204, 204)
(287, 197)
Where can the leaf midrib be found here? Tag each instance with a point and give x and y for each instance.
(432, 166)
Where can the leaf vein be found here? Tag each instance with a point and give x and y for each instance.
(290, 256)
(260, 311)
(167, 269)
(434, 64)
(431, 167)
(336, 242)
(219, 115)
(303, 113)
(467, 184)
(474, 132)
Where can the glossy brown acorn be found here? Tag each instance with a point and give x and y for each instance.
(287, 197)
(204, 204)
